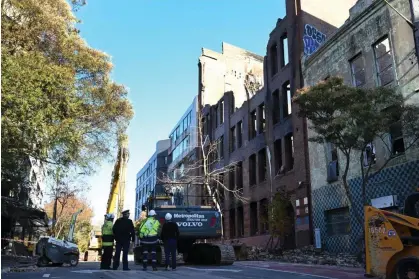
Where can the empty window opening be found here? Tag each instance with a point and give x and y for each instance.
(369, 155)
(284, 50)
(252, 169)
(253, 218)
(233, 139)
(262, 164)
(240, 221)
(262, 121)
(216, 117)
(278, 156)
(274, 59)
(239, 134)
(286, 99)
(338, 221)
(221, 111)
(232, 183)
(253, 124)
(264, 215)
(358, 71)
(289, 151)
(384, 62)
(239, 175)
(275, 107)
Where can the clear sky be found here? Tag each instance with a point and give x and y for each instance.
(155, 45)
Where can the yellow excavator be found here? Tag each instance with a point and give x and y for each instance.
(115, 200)
(392, 241)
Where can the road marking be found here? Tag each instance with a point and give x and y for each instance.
(292, 272)
(213, 269)
(46, 275)
(89, 271)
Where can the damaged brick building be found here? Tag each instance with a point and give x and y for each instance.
(236, 116)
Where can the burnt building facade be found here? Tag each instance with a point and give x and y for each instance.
(267, 120)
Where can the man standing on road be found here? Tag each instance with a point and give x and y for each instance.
(149, 237)
(107, 242)
(124, 233)
(170, 235)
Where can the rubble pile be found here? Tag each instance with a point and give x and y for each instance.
(305, 255)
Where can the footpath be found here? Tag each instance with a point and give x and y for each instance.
(321, 271)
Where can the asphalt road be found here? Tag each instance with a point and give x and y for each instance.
(86, 270)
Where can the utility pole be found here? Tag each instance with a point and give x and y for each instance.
(414, 8)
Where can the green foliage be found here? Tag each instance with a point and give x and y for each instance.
(280, 219)
(352, 118)
(59, 104)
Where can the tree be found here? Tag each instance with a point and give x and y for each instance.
(65, 211)
(205, 171)
(64, 186)
(280, 221)
(357, 119)
(59, 104)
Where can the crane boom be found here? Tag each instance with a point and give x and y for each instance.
(117, 194)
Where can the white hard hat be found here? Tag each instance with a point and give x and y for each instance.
(168, 216)
(152, 213)
(109, 216)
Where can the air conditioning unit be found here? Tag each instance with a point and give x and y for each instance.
(385, 202)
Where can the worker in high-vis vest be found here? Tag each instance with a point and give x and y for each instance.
(107, 242)
(149, 232)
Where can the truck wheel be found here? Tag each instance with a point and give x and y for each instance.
(42, 261)
(74, 260)
(408, 270)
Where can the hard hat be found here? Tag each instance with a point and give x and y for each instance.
(109, 216)
(152, 213)
(168, 216)
(125, 212)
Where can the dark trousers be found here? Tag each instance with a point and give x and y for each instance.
(170, 246)
(124, 246)
(106, 260)
(149, 246)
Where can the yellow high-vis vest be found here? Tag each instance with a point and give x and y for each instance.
(149, 228)
(107, 234)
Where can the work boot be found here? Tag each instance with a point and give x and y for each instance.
(154, 268)
(127, 269)
(144, 268)
(167, 268)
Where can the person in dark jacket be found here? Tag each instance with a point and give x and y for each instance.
(124, 233)
(170, 235)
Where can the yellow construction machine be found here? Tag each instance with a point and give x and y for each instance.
(116, 197)
(392, 241)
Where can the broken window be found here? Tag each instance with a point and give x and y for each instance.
(274, 59)
(332, 162)
(278, 156)
(264, 215)
(286, 99)
(358, 71)
(253, 218)
(239, 134)
(253, 124)
(232, 183)
(396, 137)
(262, 164)
(240, 221)
(275, 106)
(384, 62)
(239, 175)
(232, 139)
(284, 50)
(252, 170)
(289, 151)
(221, 111)
(369, 155)
(261, 126)
(338, 221)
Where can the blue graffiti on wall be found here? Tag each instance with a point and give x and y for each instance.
(313, 38)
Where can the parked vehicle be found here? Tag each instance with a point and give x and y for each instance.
(57, 252)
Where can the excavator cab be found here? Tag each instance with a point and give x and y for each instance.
(392, 241)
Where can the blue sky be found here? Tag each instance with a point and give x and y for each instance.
(155, 45)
